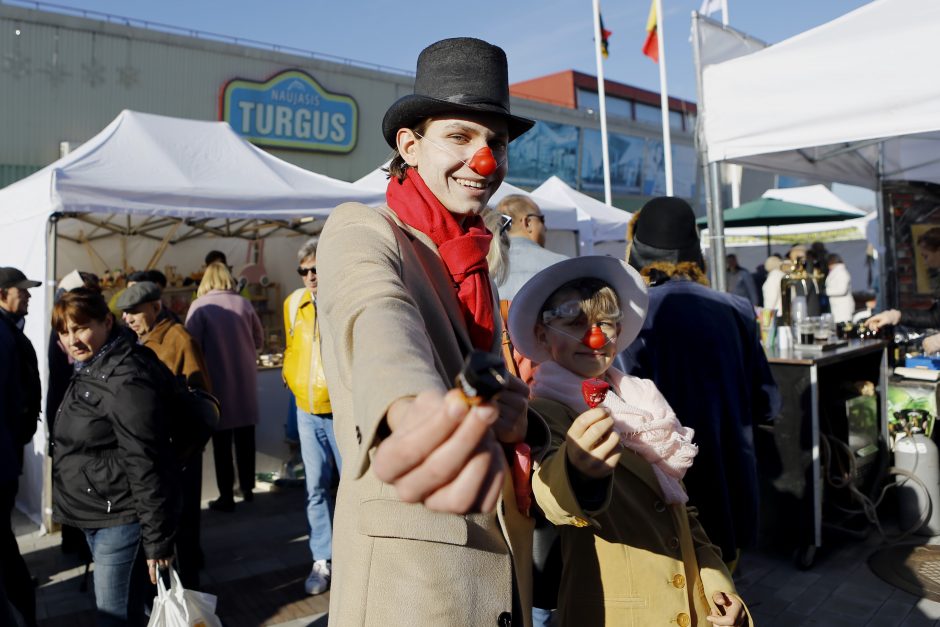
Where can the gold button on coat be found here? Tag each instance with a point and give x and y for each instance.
(678, 581)
(683, 620)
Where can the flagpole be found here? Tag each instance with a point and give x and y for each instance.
(663, 95)
(602, 99)
(724, 13)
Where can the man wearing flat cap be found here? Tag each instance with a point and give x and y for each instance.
(701, 348)
(20, 402)
(427, 526)
(144, 313)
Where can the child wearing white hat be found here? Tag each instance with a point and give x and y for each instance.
(633, 553)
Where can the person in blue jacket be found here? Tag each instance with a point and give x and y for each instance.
(702, 349)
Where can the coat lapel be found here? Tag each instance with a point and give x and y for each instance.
(434, 266)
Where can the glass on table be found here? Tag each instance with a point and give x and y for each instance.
(807, 330)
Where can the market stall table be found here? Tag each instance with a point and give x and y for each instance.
(826, 409)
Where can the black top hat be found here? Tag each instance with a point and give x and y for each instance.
(456, 75)
(665, 231)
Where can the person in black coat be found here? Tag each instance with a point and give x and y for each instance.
(114, 471)
(702, 350)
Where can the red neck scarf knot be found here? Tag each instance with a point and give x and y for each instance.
(462, 248)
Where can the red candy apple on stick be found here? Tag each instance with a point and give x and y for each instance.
(594, 391)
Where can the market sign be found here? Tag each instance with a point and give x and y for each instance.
(290, 110)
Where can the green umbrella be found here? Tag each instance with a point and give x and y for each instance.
(772, 212)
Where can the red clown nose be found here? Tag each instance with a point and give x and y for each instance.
(595, 338)
(483, 162)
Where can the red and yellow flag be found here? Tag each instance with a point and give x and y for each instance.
(605, 36)
(651, 45)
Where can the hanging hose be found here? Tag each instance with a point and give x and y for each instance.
(868, 507)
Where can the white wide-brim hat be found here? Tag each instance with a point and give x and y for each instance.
(624, 280)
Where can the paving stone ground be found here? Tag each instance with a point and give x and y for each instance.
(257, 559)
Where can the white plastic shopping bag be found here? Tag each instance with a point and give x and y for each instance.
(178, 607)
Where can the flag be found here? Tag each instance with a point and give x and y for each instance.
(710, 6)
(605, 35)
(651, 45)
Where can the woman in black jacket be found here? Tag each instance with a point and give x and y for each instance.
(113, 472)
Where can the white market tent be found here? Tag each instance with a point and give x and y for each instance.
(608, 224)
(141, 185)
(561, 217)
(827, 103)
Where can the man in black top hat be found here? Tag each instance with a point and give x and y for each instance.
(427, 528)
(20, 401)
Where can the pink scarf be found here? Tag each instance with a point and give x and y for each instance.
(647, 425)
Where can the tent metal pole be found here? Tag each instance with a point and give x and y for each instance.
(716, 232)
(52, 257)
(886, 238)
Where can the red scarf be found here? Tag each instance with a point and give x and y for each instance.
(462, 248)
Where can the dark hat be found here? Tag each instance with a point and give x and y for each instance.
(665, 231)
(143, 292)
(460, 75)
(11, 277)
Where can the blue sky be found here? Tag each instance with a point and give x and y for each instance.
(539, 36)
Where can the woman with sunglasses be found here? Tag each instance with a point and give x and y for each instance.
(229, 332)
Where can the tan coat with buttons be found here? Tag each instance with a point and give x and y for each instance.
(636, 561)
(392, 328)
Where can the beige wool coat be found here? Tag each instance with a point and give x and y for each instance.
(634, 562)
(392, 328)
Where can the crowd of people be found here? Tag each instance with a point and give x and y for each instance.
(608, 479)
(833, 289)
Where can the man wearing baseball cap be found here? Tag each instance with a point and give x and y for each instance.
(20, 402)
(427, 529)
(143, 311)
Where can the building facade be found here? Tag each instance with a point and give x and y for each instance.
(65, 77)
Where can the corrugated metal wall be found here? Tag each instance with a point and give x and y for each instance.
(64, 78)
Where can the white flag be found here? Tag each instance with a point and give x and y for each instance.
(710, 6)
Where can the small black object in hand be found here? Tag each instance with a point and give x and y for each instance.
(482, 377)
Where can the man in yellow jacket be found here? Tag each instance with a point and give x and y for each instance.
(303, 373)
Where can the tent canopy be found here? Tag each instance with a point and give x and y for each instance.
(608, 224)
(770, 212)
(160, 169)
(826, 103)
(146, 182)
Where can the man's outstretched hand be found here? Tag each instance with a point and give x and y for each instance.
(442, 453)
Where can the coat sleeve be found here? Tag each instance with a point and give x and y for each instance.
(147, 458)
(375, 343)
(193, 367)
(712, 570)
(288, 337)
(922, 318)
(195, 324)
(555, 490)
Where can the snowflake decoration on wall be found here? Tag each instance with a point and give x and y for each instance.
(93, 73)
(128, 76)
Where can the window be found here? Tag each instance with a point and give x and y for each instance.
(617, 107)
